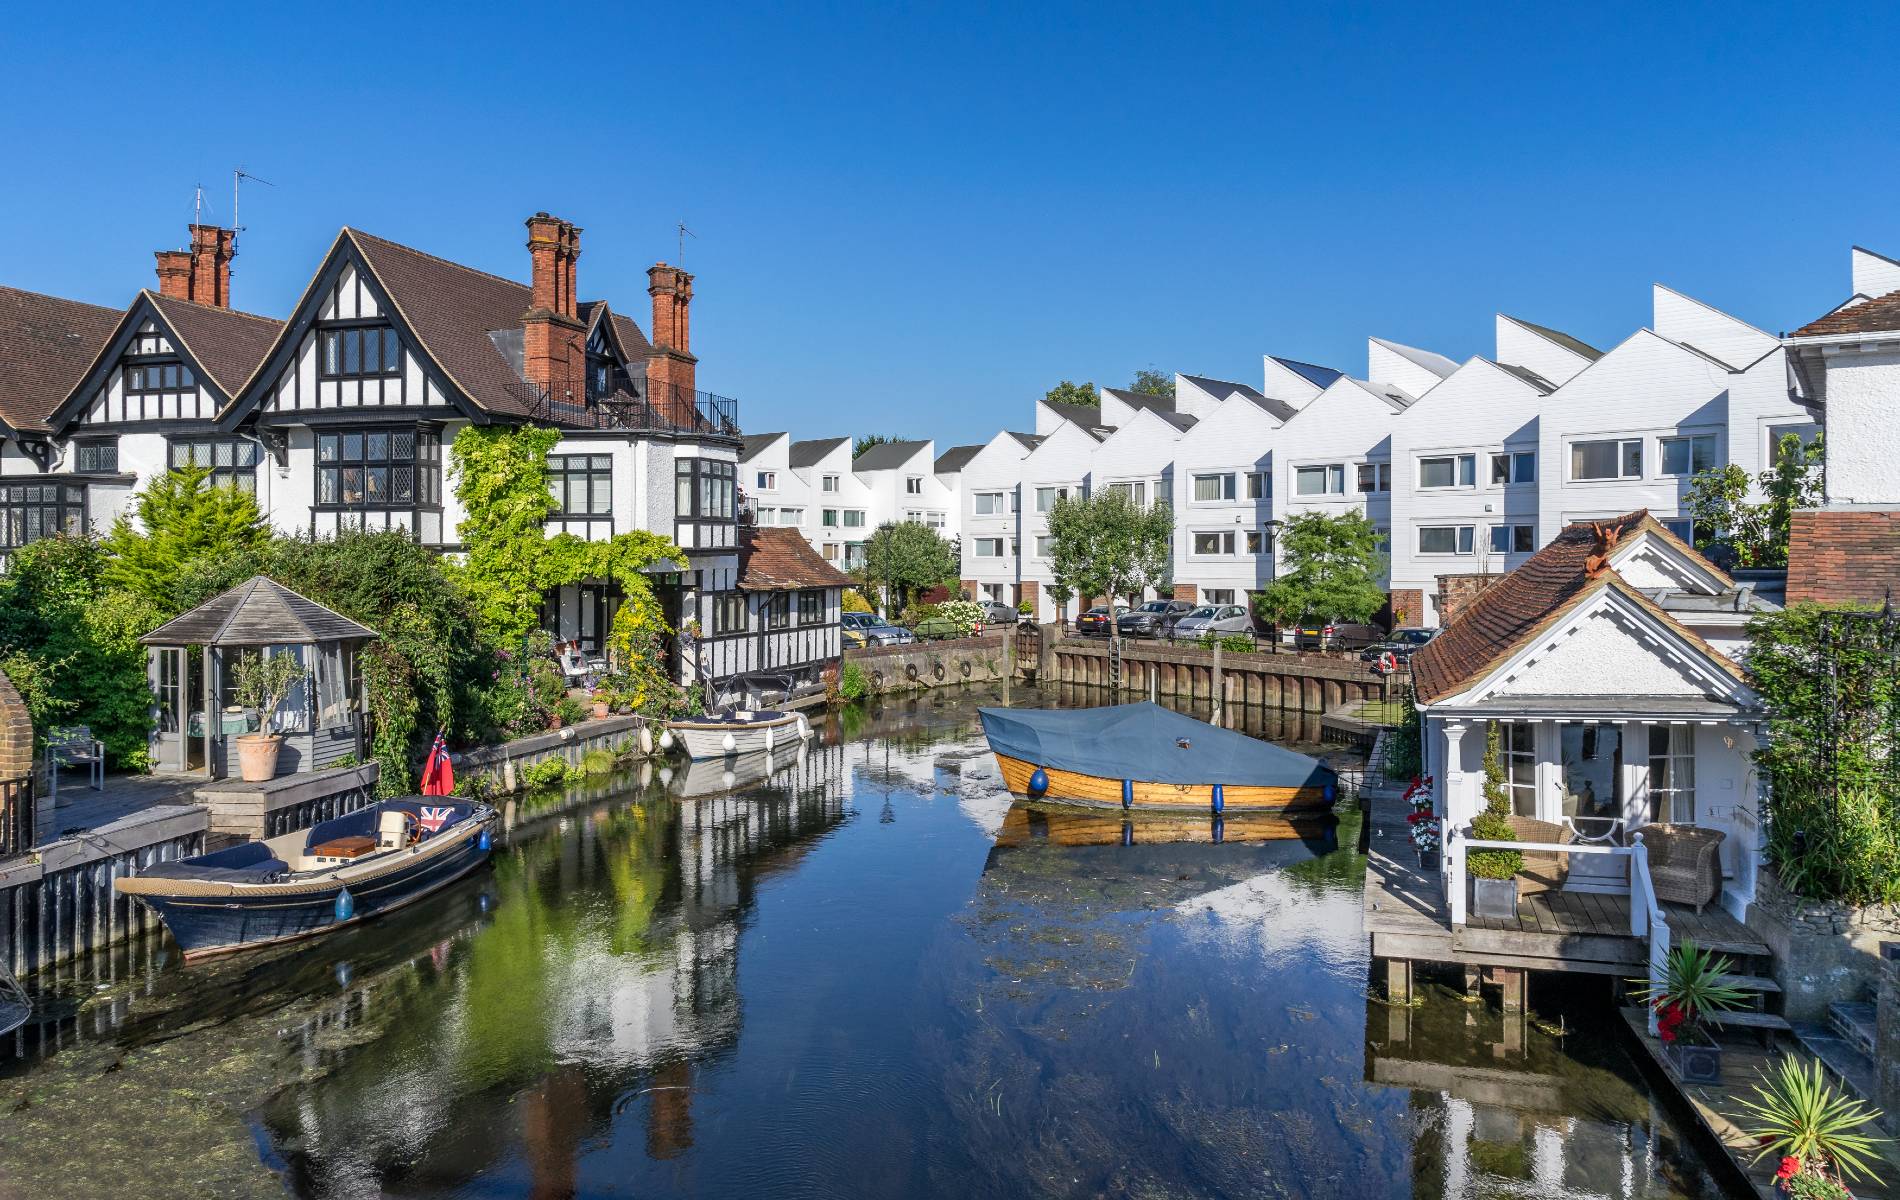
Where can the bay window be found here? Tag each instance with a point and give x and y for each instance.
(582, 484)
(704, 489)
(31, 511)
(379, 469)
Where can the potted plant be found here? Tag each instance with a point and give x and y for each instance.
(1813, 1127)
(262, 683)
(1694, 985)
(1426, 830)
(1494, 872)
(603, 702)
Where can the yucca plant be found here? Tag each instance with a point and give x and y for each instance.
(1693, 986)
(1803, 1117)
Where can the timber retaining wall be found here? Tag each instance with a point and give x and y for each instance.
(985, 658)
(1305, 682)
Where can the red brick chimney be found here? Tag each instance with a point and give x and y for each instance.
(671, 367)
(174, 273)
(554, 348)
(201, 274)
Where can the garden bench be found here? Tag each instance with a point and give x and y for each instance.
(74, 746)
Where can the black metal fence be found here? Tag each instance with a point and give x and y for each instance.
(634, 406)
(16, 816)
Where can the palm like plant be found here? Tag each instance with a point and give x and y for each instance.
(1694, 984)
(1803, 1117)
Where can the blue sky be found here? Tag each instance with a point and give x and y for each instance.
(914, 220)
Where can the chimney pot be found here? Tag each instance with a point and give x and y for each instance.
(212, 249)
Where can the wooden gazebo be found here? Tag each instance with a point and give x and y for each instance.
(321, 719)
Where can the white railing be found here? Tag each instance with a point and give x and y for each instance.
(1459, 844)
(1646, 916)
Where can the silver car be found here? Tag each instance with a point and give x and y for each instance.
(1217, 619)
(995, 612)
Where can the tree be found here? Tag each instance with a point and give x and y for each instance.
(1153, 383)
(1107, 545)
(1730, 528)
(905, 557)
(869, 440)
(1329, 569)
(184, 520)
(1081, 394)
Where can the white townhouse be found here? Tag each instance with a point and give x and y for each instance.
(343, 417)
(901, 480)
(989, 484)
(1058, 466)
(1137, 457)
(949, 472)
(839, 518)
(770, 490)
(1222, 490)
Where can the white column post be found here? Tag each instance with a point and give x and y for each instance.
(1637, 808)
(1453, 786)
(1451, 815)
(1550, 771)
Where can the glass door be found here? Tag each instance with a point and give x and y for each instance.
(171, 707)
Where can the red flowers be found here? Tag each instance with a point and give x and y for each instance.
(1790, 1167)
(1669, 1019)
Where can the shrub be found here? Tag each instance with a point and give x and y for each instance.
(1230, 643)
(855, 602)
(1805, 1118)
(598, 762)
(570, 710)
(547, 773)
(965, 614)
(1404, 755)
(852, 683)
(1024, 608)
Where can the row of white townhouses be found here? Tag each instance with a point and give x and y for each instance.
(1468, 468)
(343, 415)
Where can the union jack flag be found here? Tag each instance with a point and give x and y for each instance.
(433, 819)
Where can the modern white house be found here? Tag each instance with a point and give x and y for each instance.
(1222, 491)
(838, 519)
(1059, 465)
(901, 481)
(989, 486)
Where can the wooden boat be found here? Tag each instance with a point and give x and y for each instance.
(1145, 756)
(336, 873)
(1072, 825)
(741, 732)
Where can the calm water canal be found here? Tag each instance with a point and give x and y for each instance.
(865, 974)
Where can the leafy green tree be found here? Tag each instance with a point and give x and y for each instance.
(1083, 394)
(869, 440)
(1153, 383)
(1731, 528)
(183, 520)
(1329, 569)
(906, 557)
(1107, 545)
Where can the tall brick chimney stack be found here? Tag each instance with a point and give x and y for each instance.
(212, 249)
(671, 367)
(554, 348)
(174, 273)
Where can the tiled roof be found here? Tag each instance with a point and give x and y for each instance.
(955, 459)
(258, 612)
(227, 344)
(886, 456)
(46, 345)
(1224, 390)
(1527, 601)
(775, 559)
(752, 443)
(1843, 555)
(1879, 315)
(810, 453)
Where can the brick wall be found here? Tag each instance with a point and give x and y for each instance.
(1456, 591)
(1843, 555)
(16, 733)
(1405, 606)
(1187, 591)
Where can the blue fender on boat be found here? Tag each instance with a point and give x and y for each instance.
(482, 843)
(1039, 783)
(1220, 798)
(1128, 793)
(1220, 831)
(1329, 792)
(345, 905)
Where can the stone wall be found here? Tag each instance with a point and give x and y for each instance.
(16, 733)
(1824, 951)
(936, 664)
(503, 763)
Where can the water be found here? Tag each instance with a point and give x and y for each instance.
(867, 974)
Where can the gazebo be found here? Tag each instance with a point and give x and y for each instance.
(321, 719)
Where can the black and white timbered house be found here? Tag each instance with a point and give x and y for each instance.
(774, 633)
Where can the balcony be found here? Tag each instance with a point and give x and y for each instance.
(634, 405)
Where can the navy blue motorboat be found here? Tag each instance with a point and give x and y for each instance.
(311, 881)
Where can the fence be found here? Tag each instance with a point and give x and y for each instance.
(17, 806)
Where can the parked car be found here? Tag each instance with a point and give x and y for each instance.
(869, 629)
(1401, 645)
(1332, 635)
(1094, 622)
(1217, 619)
(1154, 619)
(995, 612)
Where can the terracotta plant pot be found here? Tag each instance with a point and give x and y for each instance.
(600, 709)
(257, 756)
(554, 722)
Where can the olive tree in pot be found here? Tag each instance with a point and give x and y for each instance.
(1494, 872)
(1694, 986)
(263, 681)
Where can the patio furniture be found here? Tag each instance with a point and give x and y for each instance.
(1547, 868)
(1684, 866)
(75, 746)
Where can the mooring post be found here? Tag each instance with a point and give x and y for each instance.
(1398, 980)
(1219, 686)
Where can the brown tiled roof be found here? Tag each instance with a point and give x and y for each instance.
(46, 344)
(1843, 556)
(1879, 315)
(1530, 599)
(227, 344)
(776, 559)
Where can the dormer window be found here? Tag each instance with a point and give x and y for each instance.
(152, 379)
(360, 353)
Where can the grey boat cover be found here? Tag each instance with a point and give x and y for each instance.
(1146, 743)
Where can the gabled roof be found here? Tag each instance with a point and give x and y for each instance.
(627, 338)
(1134, 399)
(775, 559)
(811, 453)
(1530, 599)
(1527, 375)
(226, 344)
(1319, 377)
(46, 344)
(1225, 390)
(955, 459)
(258, 612)
(1437, 364)
(1878, 315)
(1083, 416)
(752, 443)
(1029, 440)
(1397, 398)
(886, 456)
(1576, 346)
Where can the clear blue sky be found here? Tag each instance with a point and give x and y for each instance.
(915, 222)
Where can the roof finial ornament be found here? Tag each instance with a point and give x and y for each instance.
(1607, 535)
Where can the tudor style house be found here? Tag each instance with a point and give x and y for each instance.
(773, 638)
(1609, 660)
(344, 415)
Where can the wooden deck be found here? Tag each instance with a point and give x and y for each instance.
(1554, 930)
(78, 808)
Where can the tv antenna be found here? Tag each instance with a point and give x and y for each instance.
(685, 233)
(238, 176)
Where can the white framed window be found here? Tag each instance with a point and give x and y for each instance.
(1445, 539)
(1256, 541)
(768, 516)
(913, 485)
(767, 481)
(1448, 471)
(1137, 492)
(1513, 466)
(989, 547)
(791, 516)
(1259, 485)
(1045, 545)
(1214, 487)
(829, 518)
(1672, 773)
(934, 519)
(1689, 454)
(1807, 431)
(1214, 541)
(831, 552)
(828, 483)
(1374, 477)
(987, 504)
(1607, 458)
(1046, 497)
(1513, 539)
(1517, 748)
(854, 518)
(1328, 479)
(1218, 596)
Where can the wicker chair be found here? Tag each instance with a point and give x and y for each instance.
(1547, 868)
(1683, 862)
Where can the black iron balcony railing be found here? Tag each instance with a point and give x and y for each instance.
(634, 405)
